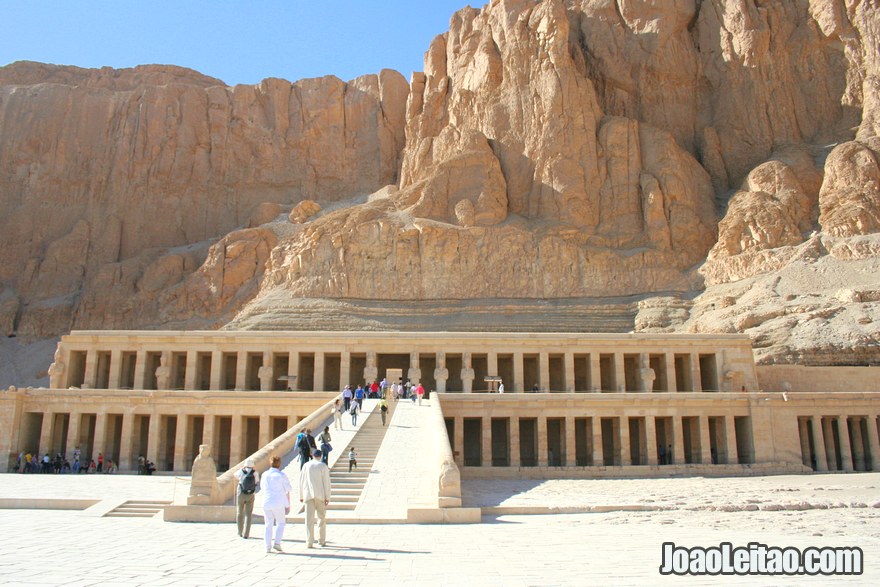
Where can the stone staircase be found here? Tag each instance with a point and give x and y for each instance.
(137, 509)
(348, 486)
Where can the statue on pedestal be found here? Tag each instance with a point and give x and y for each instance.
(163, 372)
(203, 488)
(265, 372)
(56, 370)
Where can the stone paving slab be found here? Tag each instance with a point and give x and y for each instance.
(65, 548)
(404, 471)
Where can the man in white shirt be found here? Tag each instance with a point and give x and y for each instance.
(314, 492)
(275, 487)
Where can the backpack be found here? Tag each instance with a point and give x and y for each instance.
(303, 444)
(354, 409)
(248, 482)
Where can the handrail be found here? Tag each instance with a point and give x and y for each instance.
(448, 473)
(279, 446)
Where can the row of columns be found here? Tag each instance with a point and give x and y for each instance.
(645, 375)
(826, 442)
(622, 440)
(185, 446)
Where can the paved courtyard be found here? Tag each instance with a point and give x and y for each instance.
(52, 547)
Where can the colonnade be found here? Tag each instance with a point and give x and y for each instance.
(840, 442)
(600, 440)
(569, 370)
(168, 435)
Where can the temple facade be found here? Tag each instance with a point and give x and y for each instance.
(573, 404)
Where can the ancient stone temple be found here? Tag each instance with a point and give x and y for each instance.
(573, 404)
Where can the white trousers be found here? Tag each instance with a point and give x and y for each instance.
(274, 516)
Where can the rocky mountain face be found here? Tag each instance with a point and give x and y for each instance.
(717, 159)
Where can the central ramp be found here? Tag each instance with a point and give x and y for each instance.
(394, 472)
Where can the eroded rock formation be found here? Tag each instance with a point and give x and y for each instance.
(714, 154)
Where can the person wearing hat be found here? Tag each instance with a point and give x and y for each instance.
(314, 493)
(248, 484)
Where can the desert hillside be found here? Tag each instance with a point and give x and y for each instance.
(699, 166)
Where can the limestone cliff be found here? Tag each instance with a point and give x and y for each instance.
(707, 157)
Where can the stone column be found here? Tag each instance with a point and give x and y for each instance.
(492, 363)
(598, 452)
(441, 373)
(216, 374)
(236, 442)
(542, 441)
(140, 370)
(241, 365)
(100, 435)
(344, 370)
(873, 443)
(730, 438)
(819, 443)
(125, 447)
(153, 438)
(189, 378)
(858, 446)
(651, 440)
(595, 372)
(570, 439)
(293, 370)
(518, 381)
(671, 382)
(90, 380)
(319, 372)
(803, 434)
(830, 448)
(114, 381)
(696, 381)
(73, 426)
(568, 359)
(677, 440)
(845, 450)
(544, 371)
(625, 442)
(515, 449)
(486, 440)
(467, 374)
(458, 434)
(207, 433)
(46, 435)
(619, 373)
(705, 441)
(265, 433)
(180, 463)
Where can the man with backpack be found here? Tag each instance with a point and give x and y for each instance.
(248, 481)
(305, 445)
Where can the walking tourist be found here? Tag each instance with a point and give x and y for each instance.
(337, 415)
(248, 481)
(383, 409)
(355, 409)
(346, 397)
(276, 489)
(314, 493)
(352, 459)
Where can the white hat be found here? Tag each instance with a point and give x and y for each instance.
(249, 463)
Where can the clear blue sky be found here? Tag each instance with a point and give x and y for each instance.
(235, 41)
